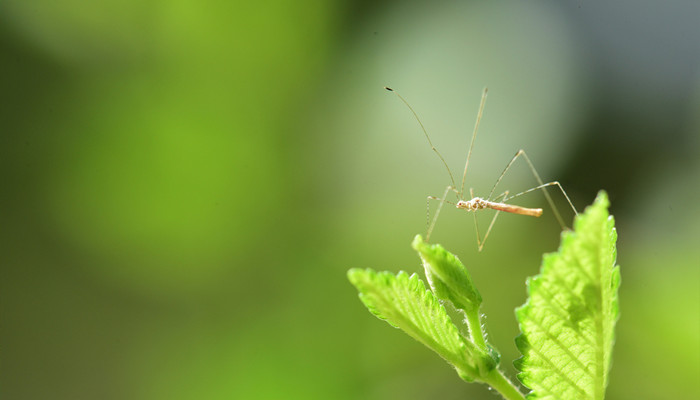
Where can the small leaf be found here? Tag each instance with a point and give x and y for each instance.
(405, 303)
(568, 320)
(447, 276)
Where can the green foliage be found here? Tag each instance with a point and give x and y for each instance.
(447, 276)
(450, 281)
(405, 303)
(568, 321)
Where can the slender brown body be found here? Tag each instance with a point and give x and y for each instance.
(477, 203)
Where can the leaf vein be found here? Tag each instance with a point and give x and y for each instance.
(555, 339)
(554, 369)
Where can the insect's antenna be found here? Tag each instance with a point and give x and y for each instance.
(476, 129)
(425, 132)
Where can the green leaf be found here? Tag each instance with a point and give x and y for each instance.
(405, 303)
(450, 281)
(447, 276)
(568, 320)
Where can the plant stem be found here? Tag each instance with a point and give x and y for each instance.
(477, 335)
(502, 385)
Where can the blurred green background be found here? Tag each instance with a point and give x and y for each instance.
(185, 184)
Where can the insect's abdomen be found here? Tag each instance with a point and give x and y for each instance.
(533, 212)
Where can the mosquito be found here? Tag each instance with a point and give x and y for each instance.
(497, 203)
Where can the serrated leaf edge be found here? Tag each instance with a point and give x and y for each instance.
(533, 286)
(415, 285)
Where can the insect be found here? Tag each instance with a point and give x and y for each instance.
(497, 203)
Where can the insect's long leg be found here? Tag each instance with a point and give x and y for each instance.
(431, 224)
(476, 129)
(503, 196)
(476, 222)
(479, 241)
(541, 185)
(505, 170)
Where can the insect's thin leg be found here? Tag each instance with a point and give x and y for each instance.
(431, 224)
(476, 223)
(479, 242)
(493, 221)
(502, 197)
(505, 170)
(546, 194)
(541, 185)
(476, 129)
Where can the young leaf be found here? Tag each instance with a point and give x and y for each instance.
(450, 281)
(447, 276)
(405, 303)
(568, 320)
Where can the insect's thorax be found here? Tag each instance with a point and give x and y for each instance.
(477, 203)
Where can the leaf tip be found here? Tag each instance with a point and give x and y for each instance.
(354, 275)
(602, 199)
(418, 243)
